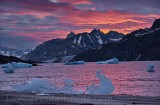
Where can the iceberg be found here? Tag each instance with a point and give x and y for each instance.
(35, 86)
(105, 86)
(21, 65)
(75, 63)
(150, 68)
(111, 61)
(10, 67)
(43, 86)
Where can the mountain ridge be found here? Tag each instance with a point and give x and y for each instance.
(7, 51)
(139, 45)
(72, 45)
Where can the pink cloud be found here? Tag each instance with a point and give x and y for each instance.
(43, 20)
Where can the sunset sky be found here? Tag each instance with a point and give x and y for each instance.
(27, 23)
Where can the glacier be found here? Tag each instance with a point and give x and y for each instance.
(43, 86)
(111, 61)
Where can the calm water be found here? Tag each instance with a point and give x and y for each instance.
(128, 77)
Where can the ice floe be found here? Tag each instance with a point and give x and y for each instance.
(20, 65)
(10, 67)
(37, 85)
(111, 61)
(104, 87)
(74, 63)
(150, 68)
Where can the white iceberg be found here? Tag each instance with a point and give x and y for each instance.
(8, 68)
(35, 86)
(43, 86)
(103, 88)
(150, 68)
(111, 61)
(75, 63)
(21, 65)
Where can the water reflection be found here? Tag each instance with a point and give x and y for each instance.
(128, 77)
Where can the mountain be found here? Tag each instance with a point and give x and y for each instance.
(140, 45)
(72, 34)
(114, 36)
(4, 50)
(72, 45)
(7, 59)
(156, 24)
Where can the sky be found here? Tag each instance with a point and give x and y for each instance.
(27, 23)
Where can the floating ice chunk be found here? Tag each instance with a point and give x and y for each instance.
(7, 68)
(75, 63)
(111, 61)
(35, 86)
(103, 88)
(21, 65)
(5, 65)
(43, 86)
(10, 67)
(150, 68)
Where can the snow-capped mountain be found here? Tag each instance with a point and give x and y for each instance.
(72, 45)
(141, 45)
(4, 50)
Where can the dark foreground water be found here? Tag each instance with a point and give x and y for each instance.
(128, 78)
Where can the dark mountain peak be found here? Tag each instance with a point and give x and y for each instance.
(115, 34)
(112, 32)
(95, 31)
(72, 32)
(81, 34)
(156, 24)
(70, 35)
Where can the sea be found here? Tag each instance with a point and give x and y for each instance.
(128, 78)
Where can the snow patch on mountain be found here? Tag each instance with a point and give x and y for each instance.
(115, 40)
(99, 39)
(79, 40)
(90, 38)
(6, 51)
(74, 41)
(146, 32)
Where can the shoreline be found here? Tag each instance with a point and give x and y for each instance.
(17, 98)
